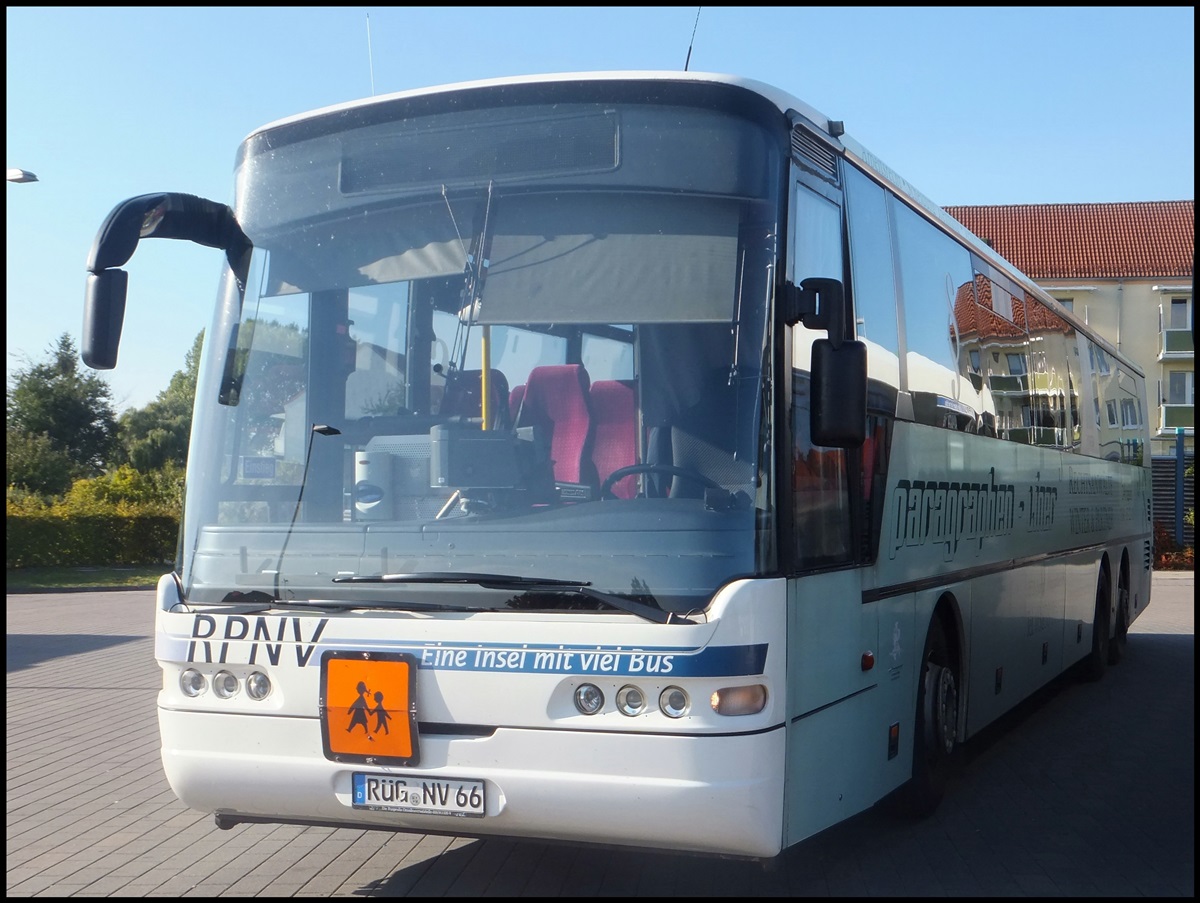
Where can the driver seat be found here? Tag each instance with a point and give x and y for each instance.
(614, 432)
(464, 397)
(703, 438)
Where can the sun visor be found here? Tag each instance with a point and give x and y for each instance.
(635, 260)
(391, 246)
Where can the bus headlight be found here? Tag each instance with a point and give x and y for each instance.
(258, 686)
(225, 685)
(631, 700)
(192, 682)
(739, 700)
(589, 699)
(674, 702)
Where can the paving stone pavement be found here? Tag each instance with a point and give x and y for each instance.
(1086, 790)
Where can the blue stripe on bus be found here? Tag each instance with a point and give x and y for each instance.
(516, 658)
(712, 661)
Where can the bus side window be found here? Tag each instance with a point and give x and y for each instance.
(820, 490)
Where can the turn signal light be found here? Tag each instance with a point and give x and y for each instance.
(739, 700)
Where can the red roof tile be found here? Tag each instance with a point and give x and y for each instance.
(1141, 239)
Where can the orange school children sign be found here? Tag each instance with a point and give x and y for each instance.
(368, 707)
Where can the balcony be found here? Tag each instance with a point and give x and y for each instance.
(1177, 345)
(1006, 385)
(1173, 416)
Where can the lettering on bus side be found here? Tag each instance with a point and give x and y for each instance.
(1098, 514)
(556, 661)
(268, 638)
(950, 514)
(1042, 500)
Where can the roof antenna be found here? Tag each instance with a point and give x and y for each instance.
(370, 60)
(693, 41)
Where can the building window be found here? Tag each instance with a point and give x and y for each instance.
(1016, 364)
(1130, 416)
(1068, 303)
(1181, 387)
(1181, 309)
(1111, 407)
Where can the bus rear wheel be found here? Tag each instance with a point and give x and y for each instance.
(1097, 661)
(935, 731)
(1116, 646)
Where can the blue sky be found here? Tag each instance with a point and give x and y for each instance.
(972, 105)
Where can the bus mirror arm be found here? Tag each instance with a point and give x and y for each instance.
(161, 215)
(818, 303)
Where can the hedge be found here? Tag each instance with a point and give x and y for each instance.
(90, 540)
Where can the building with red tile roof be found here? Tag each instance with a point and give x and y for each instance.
(1127, 270)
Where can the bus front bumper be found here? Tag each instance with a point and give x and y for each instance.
(709, 794)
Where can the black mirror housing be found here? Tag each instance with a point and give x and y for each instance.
(839, 394)
(103, 316)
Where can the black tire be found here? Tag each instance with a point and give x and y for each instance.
(935, 729)
(1096, 663)
(1116, 646)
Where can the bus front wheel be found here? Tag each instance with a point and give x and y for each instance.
(935, 733)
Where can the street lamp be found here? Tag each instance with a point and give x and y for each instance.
(21, 175)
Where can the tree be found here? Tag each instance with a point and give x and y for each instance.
(156, 436)
(71, 408)
(32, 463)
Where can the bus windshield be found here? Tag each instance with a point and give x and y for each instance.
(519, 345)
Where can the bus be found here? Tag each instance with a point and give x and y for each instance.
(619, 458)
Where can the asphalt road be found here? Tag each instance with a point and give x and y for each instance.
(1085, 790)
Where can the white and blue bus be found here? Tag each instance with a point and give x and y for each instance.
(623, 458)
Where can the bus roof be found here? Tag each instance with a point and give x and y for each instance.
(787, 104)
(781, 99)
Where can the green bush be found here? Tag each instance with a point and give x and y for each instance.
(119, 519)
(51, 539)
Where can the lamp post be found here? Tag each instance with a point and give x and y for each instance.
(21, 175)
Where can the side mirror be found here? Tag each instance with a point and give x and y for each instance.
(839, 394)
(103, 315)
(163, 215)
(838, 412)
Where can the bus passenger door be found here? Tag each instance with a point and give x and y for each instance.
(836, 749)
(837, 744)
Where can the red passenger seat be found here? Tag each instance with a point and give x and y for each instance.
(556, 405)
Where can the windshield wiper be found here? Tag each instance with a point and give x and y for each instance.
(266, 602)
(529, 584)
(487, 581)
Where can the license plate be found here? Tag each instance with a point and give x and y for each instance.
(424, 796)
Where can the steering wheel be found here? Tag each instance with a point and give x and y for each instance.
(667, 469)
